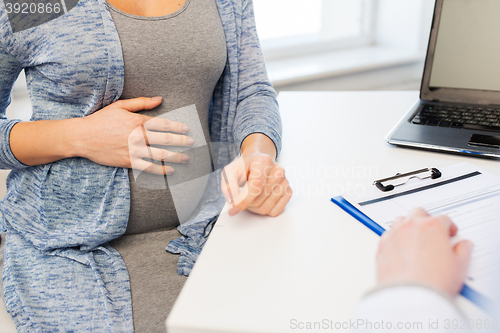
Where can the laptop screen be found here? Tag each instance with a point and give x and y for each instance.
(467, 48)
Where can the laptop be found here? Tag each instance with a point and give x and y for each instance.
(459, 106)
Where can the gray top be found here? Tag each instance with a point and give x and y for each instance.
(180, 57)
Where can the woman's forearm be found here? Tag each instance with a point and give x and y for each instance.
(44, 141)
(114, 136)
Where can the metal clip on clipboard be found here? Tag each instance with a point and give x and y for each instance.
(401, 179)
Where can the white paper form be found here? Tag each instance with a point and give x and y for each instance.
(469, 196)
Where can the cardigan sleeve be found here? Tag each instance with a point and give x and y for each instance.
(257, 110)
(10, 69)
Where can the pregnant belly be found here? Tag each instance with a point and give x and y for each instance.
(162, 202)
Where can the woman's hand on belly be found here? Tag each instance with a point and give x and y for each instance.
(265, 189)
(116, 136)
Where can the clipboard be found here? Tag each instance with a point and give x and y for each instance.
(483, 302)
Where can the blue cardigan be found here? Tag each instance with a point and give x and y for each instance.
(59, 271)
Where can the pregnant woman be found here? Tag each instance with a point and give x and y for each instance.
(102, 174)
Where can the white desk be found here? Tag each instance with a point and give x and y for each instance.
(314, 261)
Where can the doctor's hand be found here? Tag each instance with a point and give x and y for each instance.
(116, 136)
(265, 189)
(418, 249)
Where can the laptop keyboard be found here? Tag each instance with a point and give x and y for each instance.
(482, 119)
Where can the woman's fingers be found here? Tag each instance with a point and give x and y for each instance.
(273, 186)
(149, 167)
(115, 136)
(265, 189)
(254, 187)
(140, 142)
(138, 104)
(150, 123)
(277, 192)
(158, 154)
(230, 186)
(282, 202)
(168, 139)
(233, 176)
(165, 125)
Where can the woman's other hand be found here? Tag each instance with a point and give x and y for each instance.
(116, 136)
(265, 189)
(418, 249)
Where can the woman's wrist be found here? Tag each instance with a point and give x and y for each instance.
(73, 132)
(258, 143)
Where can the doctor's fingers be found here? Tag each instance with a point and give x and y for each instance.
(420, 219)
